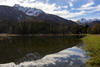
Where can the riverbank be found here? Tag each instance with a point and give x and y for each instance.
(93, 47)
(5, 35)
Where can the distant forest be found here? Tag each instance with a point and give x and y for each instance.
(46, 27)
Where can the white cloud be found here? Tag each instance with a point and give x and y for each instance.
(70, 4)
(46, 7)
(26, 0)
(88, 4)
(64, 6)
(67, 14)
(88, 9)
(32, 0)
(47, 1)
(97, 8)
(7, 2)
(70, 15)
(85, 8)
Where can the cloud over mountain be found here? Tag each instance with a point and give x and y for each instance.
(70, 9)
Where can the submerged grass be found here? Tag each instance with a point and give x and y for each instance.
(93, 47)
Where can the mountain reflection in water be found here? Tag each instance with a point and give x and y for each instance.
(41, 52)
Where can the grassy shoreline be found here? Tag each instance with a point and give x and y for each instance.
(93, 47)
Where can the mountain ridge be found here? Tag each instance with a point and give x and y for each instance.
(85, 21)
(28, 10)
(18, 13)
(41, 15)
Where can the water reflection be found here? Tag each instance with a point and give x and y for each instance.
(41, 51)
(70, 57)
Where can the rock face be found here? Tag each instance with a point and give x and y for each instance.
(18, 13)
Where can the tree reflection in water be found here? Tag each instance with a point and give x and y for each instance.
(25, 48)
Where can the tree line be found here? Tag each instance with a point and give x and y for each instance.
(46, 26)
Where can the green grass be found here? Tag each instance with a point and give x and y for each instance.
(93, 47)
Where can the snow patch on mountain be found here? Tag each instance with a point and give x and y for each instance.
(29, 11)
(84, 21)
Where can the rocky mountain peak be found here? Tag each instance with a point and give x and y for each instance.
(28, 10)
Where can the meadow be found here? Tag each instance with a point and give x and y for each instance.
(93, 47)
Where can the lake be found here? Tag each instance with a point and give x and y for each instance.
(42, 51)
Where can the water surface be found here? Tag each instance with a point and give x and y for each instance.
(52, 51)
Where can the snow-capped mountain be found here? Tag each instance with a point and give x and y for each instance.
(18, 13)
(39, 14)
(10, 14)
(85, 21)
(29, 11)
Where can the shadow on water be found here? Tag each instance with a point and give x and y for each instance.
(28, 48)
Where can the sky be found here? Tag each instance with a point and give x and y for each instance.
(68, 9)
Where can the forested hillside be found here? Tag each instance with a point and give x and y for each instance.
(31, 26)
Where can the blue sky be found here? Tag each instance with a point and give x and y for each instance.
(68, 9)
